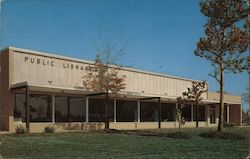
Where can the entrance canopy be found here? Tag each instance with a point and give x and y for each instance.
(212, 98)
(50, 89)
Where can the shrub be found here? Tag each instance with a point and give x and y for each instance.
(20, 129)
(49, 129)
(222, 135)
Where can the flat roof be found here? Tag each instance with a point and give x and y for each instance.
(54, 55)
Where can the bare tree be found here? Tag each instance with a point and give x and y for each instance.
(226, 40)
(179, 117)
(103, 76)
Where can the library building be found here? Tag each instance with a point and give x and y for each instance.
(39, 89)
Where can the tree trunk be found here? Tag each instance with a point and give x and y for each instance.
(220, 125)
(179, 124)
(106, 111)
(196, 114)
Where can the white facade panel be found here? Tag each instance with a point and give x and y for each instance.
(62, 72)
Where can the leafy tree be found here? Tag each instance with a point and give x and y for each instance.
(193, 96)
(225, 41)
(103, 76)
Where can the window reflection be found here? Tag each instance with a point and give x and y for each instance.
(201, 114)
(74, 109)
(186, 112)
(77, 109)
(126, 111)
(61, 109)
(149, 111)
(168, 111)
(20, 107)
(40, 108)
(97, 110)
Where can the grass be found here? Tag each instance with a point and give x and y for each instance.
(94, 145)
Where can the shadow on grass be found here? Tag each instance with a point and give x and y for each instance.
(222, 135)
(175, 135)
(180, 134)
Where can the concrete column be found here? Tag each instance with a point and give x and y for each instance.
(114, 110)
(176, 106)
(53, 108)
(87, 110)
(138, 111)
(159, 113)
(27, 109)
(176, 122)
(207, 108)
(192, 112)
(228, 111)
(68, 112)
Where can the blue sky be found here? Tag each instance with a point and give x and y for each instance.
(161, 35)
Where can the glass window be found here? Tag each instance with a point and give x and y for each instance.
(168, 111)
(61, 109)
(201, 114)
(20, 107)
(97, 110)
(126, 111)
(186, 112)
(149, 111)
(77, 109)
(40, 108)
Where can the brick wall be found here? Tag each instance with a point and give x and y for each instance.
(235, 114)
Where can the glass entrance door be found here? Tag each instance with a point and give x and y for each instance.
(212, 115)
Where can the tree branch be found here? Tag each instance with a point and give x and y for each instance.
(215, 73)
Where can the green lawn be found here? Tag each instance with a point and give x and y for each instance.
(121, 146)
